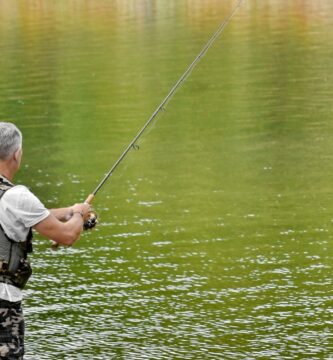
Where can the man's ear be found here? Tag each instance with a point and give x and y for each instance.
(17, 155)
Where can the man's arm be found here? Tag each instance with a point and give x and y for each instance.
(62, 214)
(68, 232)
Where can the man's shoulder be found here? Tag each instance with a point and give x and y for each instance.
(20, 205)
(17, 190)
(20, 196)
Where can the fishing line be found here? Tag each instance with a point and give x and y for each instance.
(163, 104)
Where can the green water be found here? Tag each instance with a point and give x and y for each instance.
(215, 237)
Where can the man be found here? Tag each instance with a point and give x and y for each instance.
(21, 211)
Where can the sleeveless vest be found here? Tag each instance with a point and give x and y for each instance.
(15, 269)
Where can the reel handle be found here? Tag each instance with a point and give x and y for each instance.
(88, 200)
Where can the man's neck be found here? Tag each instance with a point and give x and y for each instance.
(6, 172)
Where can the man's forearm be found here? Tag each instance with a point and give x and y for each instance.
(62, 214)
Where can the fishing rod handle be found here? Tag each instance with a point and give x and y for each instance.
(88, 200)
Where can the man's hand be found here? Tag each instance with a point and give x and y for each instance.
(83, 209)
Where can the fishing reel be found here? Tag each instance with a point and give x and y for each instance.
(91, 221)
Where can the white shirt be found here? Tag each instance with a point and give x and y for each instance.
(20, 210)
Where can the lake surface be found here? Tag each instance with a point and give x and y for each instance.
(215, 237)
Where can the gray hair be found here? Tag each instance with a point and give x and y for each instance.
(10, 140)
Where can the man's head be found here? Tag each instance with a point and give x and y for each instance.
(10, 140)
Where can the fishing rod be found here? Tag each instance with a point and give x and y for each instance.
(162, 105)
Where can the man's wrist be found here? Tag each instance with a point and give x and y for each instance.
(78, 212)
